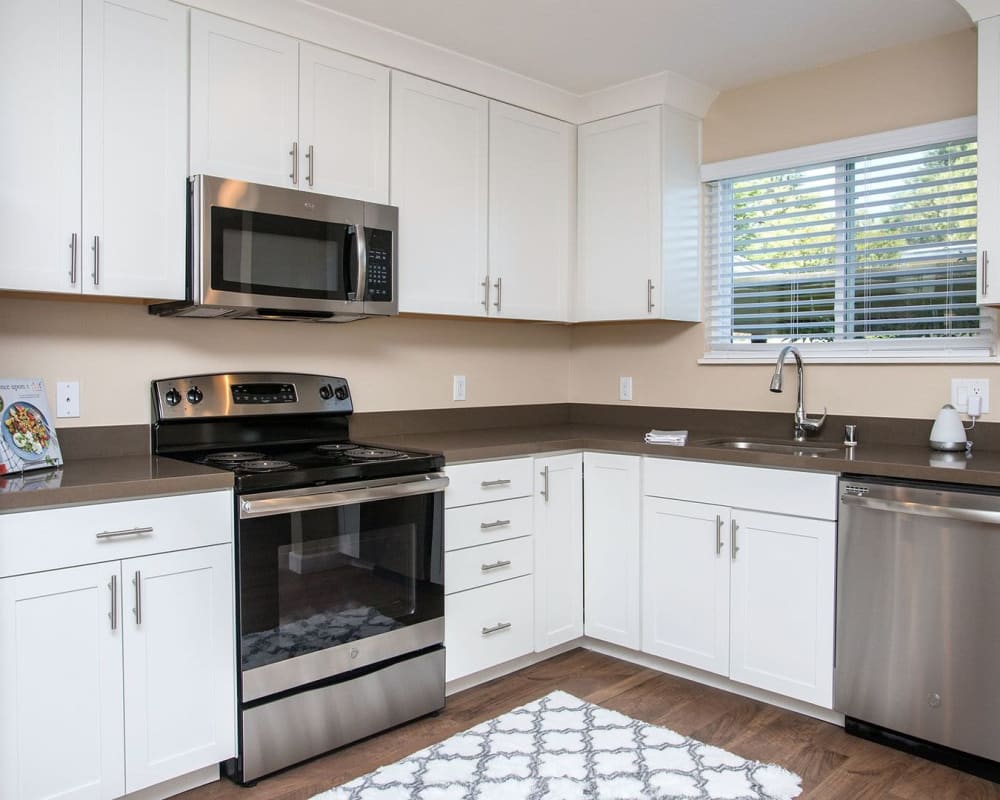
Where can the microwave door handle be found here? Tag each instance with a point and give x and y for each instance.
(362, 247)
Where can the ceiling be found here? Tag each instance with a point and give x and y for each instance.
(585, 45)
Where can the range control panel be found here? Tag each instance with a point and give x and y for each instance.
(380, 268)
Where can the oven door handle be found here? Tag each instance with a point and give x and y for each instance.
(291, 503)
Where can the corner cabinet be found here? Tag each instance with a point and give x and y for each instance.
(988, 123)
(638, 223)
(269, 109)
(93, 172)
(119, 674)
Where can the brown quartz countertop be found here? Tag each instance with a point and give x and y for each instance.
(915, 462)
(101, 480)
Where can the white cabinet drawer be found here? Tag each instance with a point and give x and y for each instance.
(488, 626)
(485, 481)
(469, 526)
(32, 541)
(781, 491)
(490, 563)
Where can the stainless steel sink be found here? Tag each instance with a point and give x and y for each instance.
(765, 446)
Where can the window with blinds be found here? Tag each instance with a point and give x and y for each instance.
(874, 255)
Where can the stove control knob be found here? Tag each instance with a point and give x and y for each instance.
(325, 391)
(173, 397)
(341, 393)
(194, 395)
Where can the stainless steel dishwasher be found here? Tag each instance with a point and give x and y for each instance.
(918, 618)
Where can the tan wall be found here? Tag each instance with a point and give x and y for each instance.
(893, 88)
(114, 351)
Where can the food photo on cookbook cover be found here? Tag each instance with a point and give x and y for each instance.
(27, 436)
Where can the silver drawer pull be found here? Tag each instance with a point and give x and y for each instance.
(126, 532)
(495, 565)
(498, 524)
(500, 626)
(501, 482)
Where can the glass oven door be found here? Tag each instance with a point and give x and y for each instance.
(335, 579)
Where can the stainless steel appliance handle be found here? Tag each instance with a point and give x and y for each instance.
(72, 258)
(499, 287)
(498, 524)
(649, 295)
(545, 483)
(97, 261)
(113, 614)
(294, 174)
(125, 532)
(923, 510)
(311, 160)
(718, 534)
(495, 565)
(362, 244)
(137, 583)
(292, 502)
(733, 547)
(501, 482)
(500, 626)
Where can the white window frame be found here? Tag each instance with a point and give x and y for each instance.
(908, 351)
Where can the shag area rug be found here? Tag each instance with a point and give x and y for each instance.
(564, 748)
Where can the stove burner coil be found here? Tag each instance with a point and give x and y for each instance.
(373, 453)
(232, 457)
(264, 465)
(335, 448)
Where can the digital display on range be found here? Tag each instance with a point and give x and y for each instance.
(263, 393)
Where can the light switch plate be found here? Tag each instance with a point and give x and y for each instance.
(67, 399)
(458, 387)
(961, 388)
(625, 387)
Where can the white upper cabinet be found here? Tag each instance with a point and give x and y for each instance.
(638, 217)
(269, 109)
(439, 174)
(988, 122)
(532, 214)
(344, 124)
(93, 171)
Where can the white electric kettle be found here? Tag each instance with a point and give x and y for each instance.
(948, 432)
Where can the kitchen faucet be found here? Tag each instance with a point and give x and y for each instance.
(803, 422)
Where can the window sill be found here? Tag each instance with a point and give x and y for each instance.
(860, 359)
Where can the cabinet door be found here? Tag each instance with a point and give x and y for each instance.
(344, 124)
(988, 122)
(611, 521)
(244, 101)
(439, 172)
(134, 148)
(61, 685)
(532, 214)
(783, 605)
(180, 663)
(685, 583)
(558, 550)
(40, 145)
(619, 235)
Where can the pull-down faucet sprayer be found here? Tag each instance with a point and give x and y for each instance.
(803, 422)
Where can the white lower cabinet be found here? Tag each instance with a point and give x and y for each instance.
(120, 674)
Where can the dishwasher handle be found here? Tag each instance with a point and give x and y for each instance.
(923, 509)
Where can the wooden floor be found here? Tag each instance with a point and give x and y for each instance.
(833, 765)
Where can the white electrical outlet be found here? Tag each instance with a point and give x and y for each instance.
(458, 387)
(961, 388)
(625, 387)
(67, 399)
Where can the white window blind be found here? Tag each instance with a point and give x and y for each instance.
(873, 255)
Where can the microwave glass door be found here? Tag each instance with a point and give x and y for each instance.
(320, 578)
(268, 254)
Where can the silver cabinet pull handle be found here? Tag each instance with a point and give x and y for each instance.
(649, 296)
(137, 582)
(733, 547)
(495, 565)
(113, 614)
(500, 626)
(126, 532)
(718, 534)
(498, 524)
(489, 484)
(499, 287)
(486, 293)
(311, 159)
(97, 261)
(72, 258)
(985, 260)
(545, 483)
(294, 174)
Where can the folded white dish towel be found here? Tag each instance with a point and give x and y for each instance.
(667, 437)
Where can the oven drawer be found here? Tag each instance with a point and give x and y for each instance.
(490, 563)
(485, 481)
(488, 626)
(32, 541)
(470, 526)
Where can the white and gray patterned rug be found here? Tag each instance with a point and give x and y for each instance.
(564, 748)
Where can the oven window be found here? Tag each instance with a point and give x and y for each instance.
(322, 578)
(268, 254)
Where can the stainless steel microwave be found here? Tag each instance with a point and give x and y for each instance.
(266, 252)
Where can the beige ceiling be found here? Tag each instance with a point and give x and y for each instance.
(585, 45)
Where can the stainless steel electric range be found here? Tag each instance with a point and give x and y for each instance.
(339, 561)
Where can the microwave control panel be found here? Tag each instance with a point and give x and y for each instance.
(379, 265)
